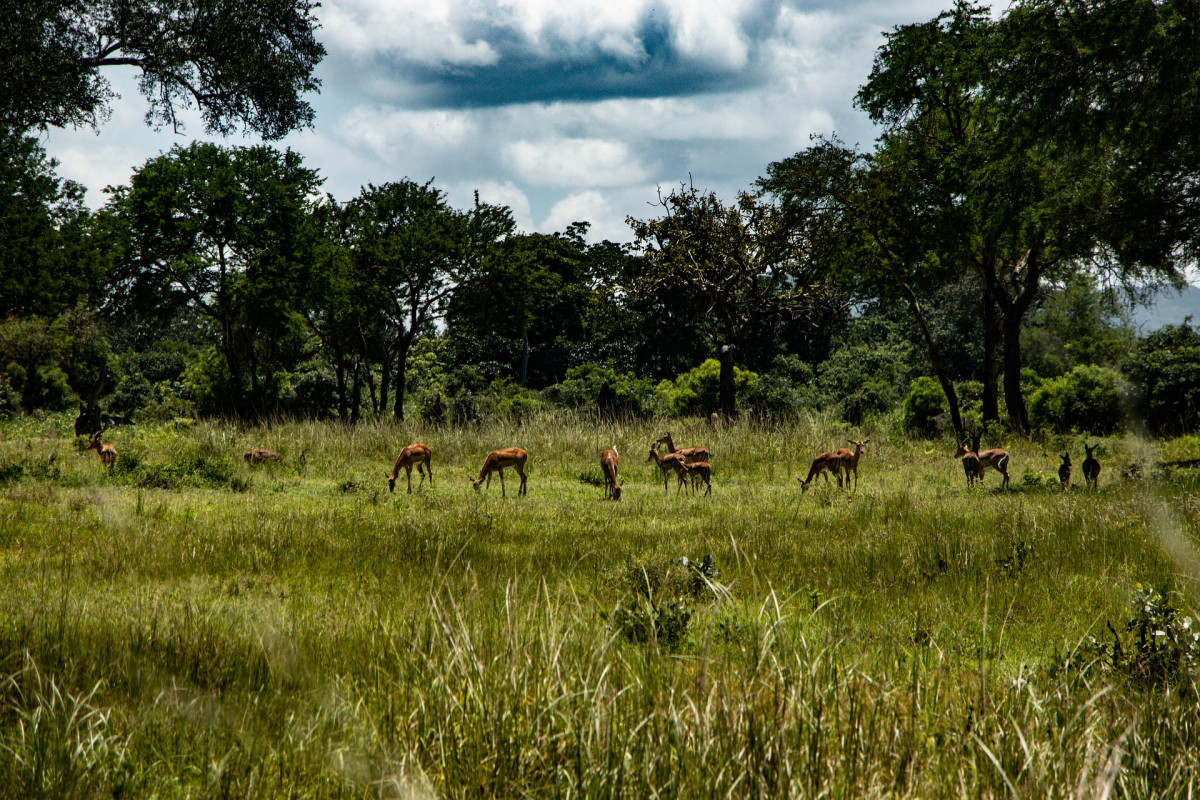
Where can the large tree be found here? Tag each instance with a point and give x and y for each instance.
(411, 250)
(725, 267)
(226, 232)
(241, 63)
(1029, 197)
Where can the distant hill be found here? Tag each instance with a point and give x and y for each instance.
(1170, 308)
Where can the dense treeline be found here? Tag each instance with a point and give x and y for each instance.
(1035, 175)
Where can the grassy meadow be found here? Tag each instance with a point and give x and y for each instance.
(188, 626)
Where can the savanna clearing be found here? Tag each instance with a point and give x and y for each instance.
(188, 625)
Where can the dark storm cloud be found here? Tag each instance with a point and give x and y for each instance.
(562, 66)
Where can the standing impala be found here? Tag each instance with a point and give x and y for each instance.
(996, 459)
(1091, 467)
(850, 460)
(413, 455)
(496, 461)
(690, 454)
(107, 453)
(824, 463)
(667, 463)
(608, 465)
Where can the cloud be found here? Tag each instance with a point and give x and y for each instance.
(567, 163)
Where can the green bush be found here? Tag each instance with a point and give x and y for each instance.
(1088, 398)
(698, 390)
(596, 387)
(1165, 373)
(925, 402)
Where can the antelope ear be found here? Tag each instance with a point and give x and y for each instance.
(866, 441)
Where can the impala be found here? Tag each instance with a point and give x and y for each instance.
(972, 468)
(996, 459)
(690, 454)
(608, 465)
(1091, 467)
(1064, 471)
(258, 455)
(824, 463)
(699, 470)
(667, 463)
(107, 453)
(497, 461)
(850, 460)
(413, 455)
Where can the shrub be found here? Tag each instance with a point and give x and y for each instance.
(603, 388)
(1088, 398)
(1164, 645)
(697, 391)
(924, 403)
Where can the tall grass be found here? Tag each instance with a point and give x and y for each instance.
(186, 625)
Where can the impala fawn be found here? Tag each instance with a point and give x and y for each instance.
(107, 453)
(1091, 467)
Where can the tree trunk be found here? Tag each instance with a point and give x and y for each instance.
(935, 358)
(727, 388)
(402, 346)
(1013, 398)
(340, 371)
(991, 356)
(356, 392)
(385, 381)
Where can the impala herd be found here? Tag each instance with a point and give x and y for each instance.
(684, 463)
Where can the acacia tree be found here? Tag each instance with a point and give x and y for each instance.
(728, 266)
(412, 250)
(239, 63)
(227, 233)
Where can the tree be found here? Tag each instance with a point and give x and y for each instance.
(239, 62)
(1029, 197)
(876, 227)
(412, 250)
(226, 232)
(727, 266)
(48, 259)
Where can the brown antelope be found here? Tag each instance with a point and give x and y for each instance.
(972, 468)
(608, 465)
(699, 470)
(1064, 471)
(824, 463)
(690, 454)
(668, 463)
(258, 455)
(850, 460)
(496, 461)
(413, 455)
(107, 453)
(996, 459)
(1091, 467)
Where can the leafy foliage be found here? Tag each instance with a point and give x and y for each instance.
(1088, 398)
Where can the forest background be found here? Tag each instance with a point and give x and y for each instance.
(1035, 178)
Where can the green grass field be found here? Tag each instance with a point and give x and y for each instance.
(186, 626)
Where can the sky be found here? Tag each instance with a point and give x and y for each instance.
(563, 110)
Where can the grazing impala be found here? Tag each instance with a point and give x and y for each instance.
(608, 465)
(413, 455)
(496, 461)
(850, 460)
(690, 454)
(824, 463)
(668, 463)
(1091, 467)
(699, 470)
(258, 455)
(107, 453)
(996, 459)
